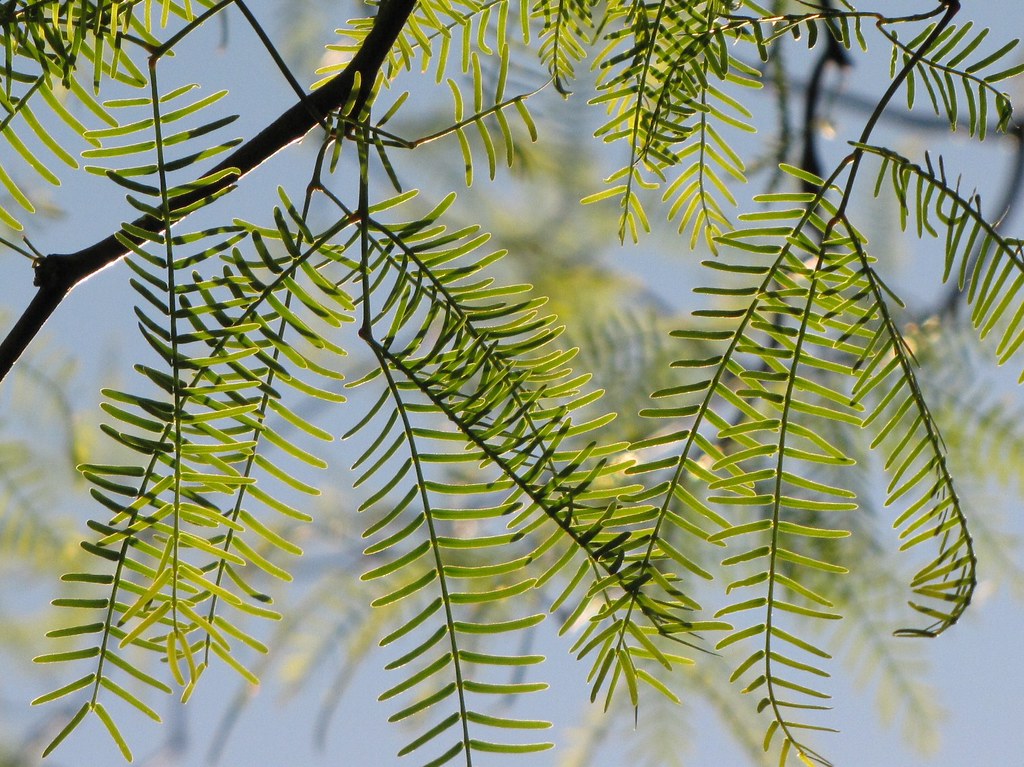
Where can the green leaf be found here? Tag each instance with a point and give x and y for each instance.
(67, 729)
(115, 734)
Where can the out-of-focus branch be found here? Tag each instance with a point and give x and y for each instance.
(833, 55)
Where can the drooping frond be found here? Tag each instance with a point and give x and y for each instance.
(916, 459)
(470, 384)
(59, 53)
(567, 33)
(806, 343)
(666, 79)
(182, 527)
(751, 439)
(444, 37)
(487, 124)
(954, 70)
(987, 265)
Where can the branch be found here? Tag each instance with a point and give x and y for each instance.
(834, 54)
(57, 274)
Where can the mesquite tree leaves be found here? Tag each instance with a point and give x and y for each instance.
(496, 493)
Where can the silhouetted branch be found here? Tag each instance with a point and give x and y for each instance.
(57, 274)
(834, 54)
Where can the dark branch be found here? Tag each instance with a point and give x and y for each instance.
(834, 54)
(57, 274)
